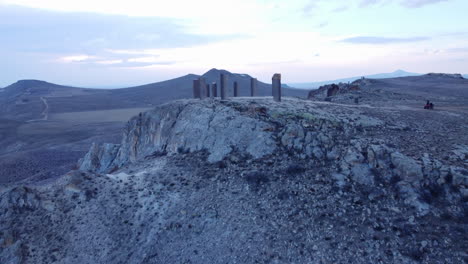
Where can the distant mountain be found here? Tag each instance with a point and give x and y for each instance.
(395, 74)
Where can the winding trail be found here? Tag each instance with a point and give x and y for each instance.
(45, 112)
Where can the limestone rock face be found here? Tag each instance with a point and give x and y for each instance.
(99, 158)
(184, 127)
(330, 90)
(405, 167)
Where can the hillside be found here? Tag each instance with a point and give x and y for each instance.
(253, 181)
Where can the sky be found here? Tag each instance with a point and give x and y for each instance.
(118, 43)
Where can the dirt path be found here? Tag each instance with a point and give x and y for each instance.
(45, 112)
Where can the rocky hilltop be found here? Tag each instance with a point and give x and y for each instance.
(449, 91)
(253, 181)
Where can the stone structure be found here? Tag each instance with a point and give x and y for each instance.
(253, 87)
(276, 86)
(196, 89)
(214, 89)
(208, 94)
(236, 89)
(223, 86)
(203, 92)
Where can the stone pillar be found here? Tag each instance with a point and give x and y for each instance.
(214, 89)
(236, 89)
(223, 86)
(253, 87)
(208, 94)
(202, 87)
(196, 89)
(276, 86)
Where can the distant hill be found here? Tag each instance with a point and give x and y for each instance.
(449, 90)
(314, 85)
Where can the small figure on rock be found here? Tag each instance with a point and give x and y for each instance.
(429, 105)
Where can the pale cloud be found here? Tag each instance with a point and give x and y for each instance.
(341, 9)
(458, 50)
(382, 40)
(420, 3)
(147, 59)
(109, 62)
(76, 58)
(405, 3)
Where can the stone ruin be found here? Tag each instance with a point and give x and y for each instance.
(202, 90)
(223, 86)
(276, 86)
(253, 87)
(214, 89)
(236, 89)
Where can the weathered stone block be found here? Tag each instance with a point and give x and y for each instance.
(276, 86)
(214, 89)
(253, 87)
(236, 89)
(202, 82)
(196, 88)
(223, 86)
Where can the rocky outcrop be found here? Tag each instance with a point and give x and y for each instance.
(449, 75)
(245, 181)
(259, 129)
(330, 90)
(185, 126)
(99, 158)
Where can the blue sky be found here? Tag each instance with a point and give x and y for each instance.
(121, 43)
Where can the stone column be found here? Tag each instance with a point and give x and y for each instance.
(223, 86)
(236, 89)
(208, 94)
(214, 89)
(196, 88)
(276, 86)
(202, 88)
(253, 87)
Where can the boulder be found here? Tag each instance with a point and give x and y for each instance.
(406, 167)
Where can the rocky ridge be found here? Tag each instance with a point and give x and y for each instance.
(249, 180)
(258, 129)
